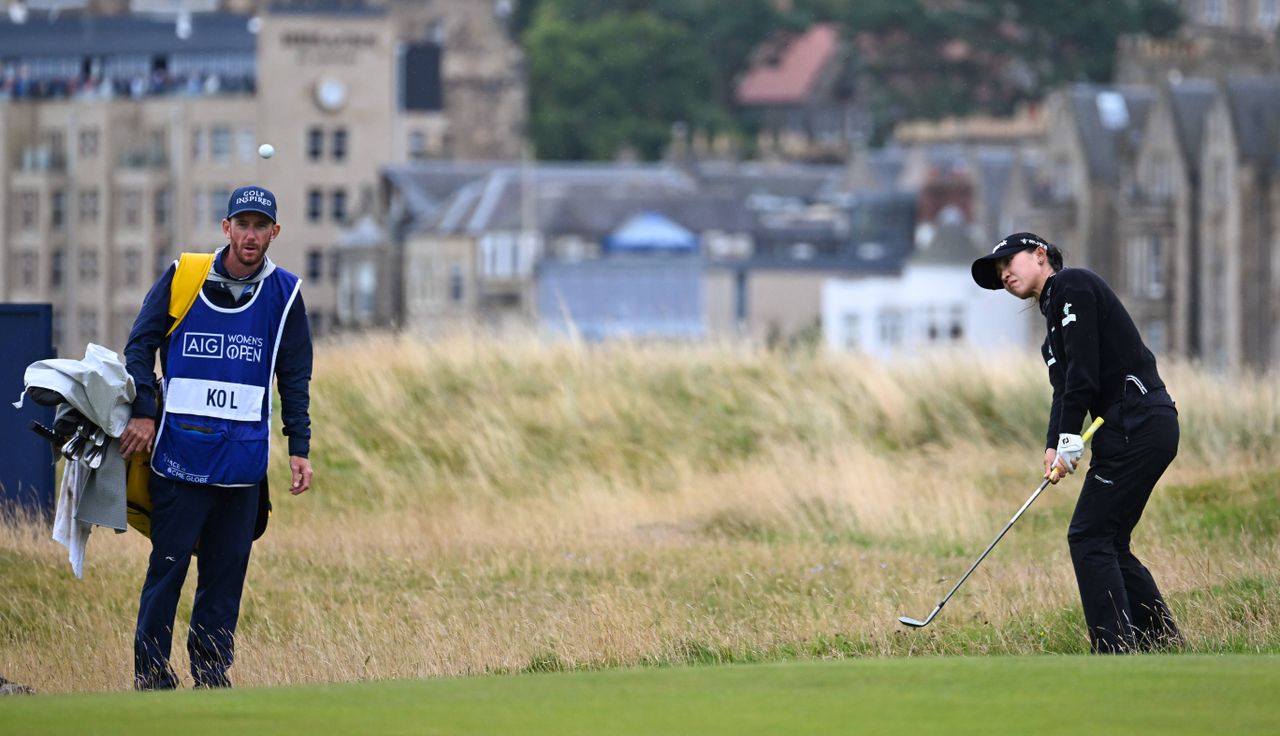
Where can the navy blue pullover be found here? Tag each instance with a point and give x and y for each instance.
(293, 360)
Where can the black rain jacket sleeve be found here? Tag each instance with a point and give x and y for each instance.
(1056, 380)
(1078, 323)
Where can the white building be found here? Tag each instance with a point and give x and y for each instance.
(933, 303)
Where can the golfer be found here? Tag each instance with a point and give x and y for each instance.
(1098, 365)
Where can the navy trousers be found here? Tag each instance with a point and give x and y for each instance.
(1123, 607)
(221, 522)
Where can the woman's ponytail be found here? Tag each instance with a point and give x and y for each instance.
(1055, 256)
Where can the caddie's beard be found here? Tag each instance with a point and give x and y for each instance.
(237, 253)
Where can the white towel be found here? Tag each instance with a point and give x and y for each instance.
(72, 534)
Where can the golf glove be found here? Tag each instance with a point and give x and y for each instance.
(1070, 448)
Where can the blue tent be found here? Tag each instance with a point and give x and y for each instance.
(651, 231)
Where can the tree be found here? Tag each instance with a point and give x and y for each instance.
(604, 74)
(618, 81)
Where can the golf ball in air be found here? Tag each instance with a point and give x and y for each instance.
(266, 150)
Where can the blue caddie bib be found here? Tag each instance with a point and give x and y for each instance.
(216, 426)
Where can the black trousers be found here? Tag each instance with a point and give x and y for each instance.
(1123, 607)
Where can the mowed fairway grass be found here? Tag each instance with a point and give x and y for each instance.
(1168, 695)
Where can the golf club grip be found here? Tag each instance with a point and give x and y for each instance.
(1088, 435)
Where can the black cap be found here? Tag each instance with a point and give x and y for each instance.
(984, 270)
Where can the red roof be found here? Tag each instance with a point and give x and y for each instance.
(789, 78)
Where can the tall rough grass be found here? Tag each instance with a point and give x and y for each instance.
(485, 506)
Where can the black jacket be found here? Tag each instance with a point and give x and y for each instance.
(1092, 350)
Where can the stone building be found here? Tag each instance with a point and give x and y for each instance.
(1217, 38)
(1238, 202)
(121, 136)
(1159, 228)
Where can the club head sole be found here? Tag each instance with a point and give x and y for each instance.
(913, 623)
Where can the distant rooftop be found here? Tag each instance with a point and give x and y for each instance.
(82, 36)
(1255, 113)
(1028, 122)
(1110, 121)
(788, 76)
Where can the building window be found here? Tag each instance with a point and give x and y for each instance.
(339, 204)
(417, 144)
(161, 263)
(158, 143)
(1215, 12)
(25, 266)
(315, 205)
(335, 264)
(315, 143)
(27, 204)
(57, 268)
(220, 143)
(891, 327)
(1060, 185)
(1159, 186)
(340, 144)
(199, 208)
(88, 209)
(56, 327)
(455, 284)
(197, 144)
(58, 209)
(1155, 276)
(53, 141)
(132, 265)
(88, 324)
(89, 143)
(1268, 14)
(163, 206)
(1146, 267)
(245, 144)
(1156, 336)
(852, 326)
(218, 204)
(88, 270)
(315, 264)
(131, 202)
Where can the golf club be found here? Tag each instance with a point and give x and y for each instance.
(1053, 476)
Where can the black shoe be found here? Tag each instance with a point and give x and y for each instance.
(155, 680)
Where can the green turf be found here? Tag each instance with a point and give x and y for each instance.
(1165, 695)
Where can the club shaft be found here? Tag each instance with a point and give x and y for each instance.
(993, 544)
(1053, 477)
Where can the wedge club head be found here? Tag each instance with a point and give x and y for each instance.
(916, 623)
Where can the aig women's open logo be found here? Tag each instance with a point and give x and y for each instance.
(203, 345)
(231, 347)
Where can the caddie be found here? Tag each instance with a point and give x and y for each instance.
(208, 430)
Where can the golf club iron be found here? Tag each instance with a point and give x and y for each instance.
(917, 623)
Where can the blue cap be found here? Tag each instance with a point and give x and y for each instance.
(252, 199)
